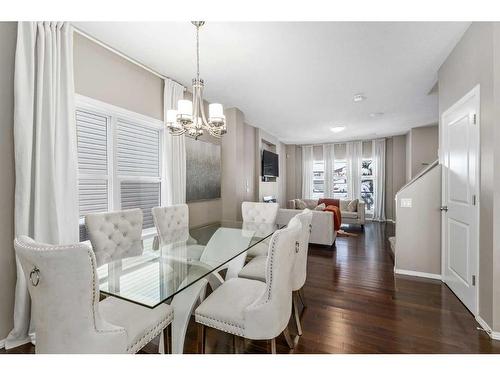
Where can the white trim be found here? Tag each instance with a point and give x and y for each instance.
(106, 109)
(434, 276)
(493, 334)
(390, 221)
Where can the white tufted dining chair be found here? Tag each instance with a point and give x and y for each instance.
(67, 315)
(255, 214)
(115, 235)
(256, 268)
(253, 309)
(172, 225)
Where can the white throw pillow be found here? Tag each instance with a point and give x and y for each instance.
(353, 205)
(300, 204)
(320, 207)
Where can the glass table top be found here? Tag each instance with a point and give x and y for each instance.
(188, 256)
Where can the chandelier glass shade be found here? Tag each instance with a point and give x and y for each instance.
(189, 117)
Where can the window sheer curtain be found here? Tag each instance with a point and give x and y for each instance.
(378, 147)
(45, 145)
(307, 171)
(354, 156)
(329, 159)
(175, 150)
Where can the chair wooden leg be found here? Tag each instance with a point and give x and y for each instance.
(201, 338)
(288, 339)
(272, 344)
(296, 313)
(167, 339)
(302, 299)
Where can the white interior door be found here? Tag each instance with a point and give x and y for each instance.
(460, 214)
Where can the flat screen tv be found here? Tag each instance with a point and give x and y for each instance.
(270, 164)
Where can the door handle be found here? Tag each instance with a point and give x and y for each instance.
(443, 208)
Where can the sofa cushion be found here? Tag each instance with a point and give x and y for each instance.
(320, 207)
(300, 204)
(349, 215)
(353, 205)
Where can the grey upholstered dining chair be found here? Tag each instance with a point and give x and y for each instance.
(254, 309)
(172, 226)
(256, 268)
(254, 214)
(67, 314)
(115, 235)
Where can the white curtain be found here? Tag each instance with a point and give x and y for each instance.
(378, 150)
(175, 150)
(307, 171)
(354, 155)
(329, 158)
(46, 192)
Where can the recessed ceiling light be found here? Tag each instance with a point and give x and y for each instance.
(376, 114)
(358, 98)
(337, 129)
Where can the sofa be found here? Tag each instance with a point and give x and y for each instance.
(348, 217)
(322, 231)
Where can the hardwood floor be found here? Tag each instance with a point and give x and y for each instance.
(355, 304)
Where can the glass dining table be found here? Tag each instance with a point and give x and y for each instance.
(178, 272)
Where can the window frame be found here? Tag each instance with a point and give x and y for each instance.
(113, 178)
(372, 178)
(319, 195)
(346, 194)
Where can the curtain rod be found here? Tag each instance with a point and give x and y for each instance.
(121, 54)
(343, 143)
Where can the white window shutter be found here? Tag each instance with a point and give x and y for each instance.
(138, 150)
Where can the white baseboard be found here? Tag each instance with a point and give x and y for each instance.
(418, 274)
(493, 334)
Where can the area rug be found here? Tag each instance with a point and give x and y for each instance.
(343, 233)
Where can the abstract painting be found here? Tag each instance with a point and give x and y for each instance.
(203, 170)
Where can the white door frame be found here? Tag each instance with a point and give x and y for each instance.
(474, 92)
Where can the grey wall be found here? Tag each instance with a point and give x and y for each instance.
(395, 172)
(8, 32)
(470, 63)
(104, 75)
(418, 245)
(423, 148)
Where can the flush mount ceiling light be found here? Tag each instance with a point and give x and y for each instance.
(376, 114)
(190, 115)
(337, 129)
(358, 98)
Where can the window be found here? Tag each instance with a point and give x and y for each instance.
(367, 181)
(119, 161)
(318, 179)
(340, 179)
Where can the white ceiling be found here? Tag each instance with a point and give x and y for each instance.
(297, 79)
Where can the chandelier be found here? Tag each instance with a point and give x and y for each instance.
(189, 117)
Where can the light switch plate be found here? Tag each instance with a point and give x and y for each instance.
(406, 202)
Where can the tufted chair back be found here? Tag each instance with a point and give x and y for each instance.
(269, 315)
(258, 212)
(115, 235)
(62, 282)
(172, 223)
(300, 265)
